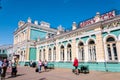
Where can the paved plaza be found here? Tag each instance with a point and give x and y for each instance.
(28, 73)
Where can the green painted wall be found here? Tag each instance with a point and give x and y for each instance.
(35, 34)
(115, 32)
(97, 66)
(93, 36)
(85, 38)
(104, 34)
(77, 40)
(32, 54)
(65, 42)
(3, 51)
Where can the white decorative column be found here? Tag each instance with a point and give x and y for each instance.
(73, 50)
(118, 50)
(46, 55)
(51, 54)
(65, 53)
(100, 54)
(57, 52)
(77, 51)
(42, 52)
(86, 52)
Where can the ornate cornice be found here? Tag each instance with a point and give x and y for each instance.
(21, 28)
(82, 31)
(43, 28)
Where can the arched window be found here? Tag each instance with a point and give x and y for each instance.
(91, 51)
(69, 53)
(62, 57)
(81, 54)
(40, 55)
(54, 53)
(111, 49)
(49, 55)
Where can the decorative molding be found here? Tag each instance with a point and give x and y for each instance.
(112, 35)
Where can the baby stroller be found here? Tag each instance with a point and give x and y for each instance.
(14, 69)
(14, 72)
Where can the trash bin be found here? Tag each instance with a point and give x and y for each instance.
(34, 64)
(27, 64)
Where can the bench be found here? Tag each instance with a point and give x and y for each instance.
(27, 64)
(83, 68)
(50, 66)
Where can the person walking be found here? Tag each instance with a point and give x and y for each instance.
(45, 65)
(14, 68)
(0, 66)
(4, 69)
(31, 63)
(39, 65)
(75, 64)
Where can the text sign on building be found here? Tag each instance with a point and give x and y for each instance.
(103, 17)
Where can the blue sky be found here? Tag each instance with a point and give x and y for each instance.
(56, 12)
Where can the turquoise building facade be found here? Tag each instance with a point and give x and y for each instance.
(94, 42)
(26, 36)
(6, 51)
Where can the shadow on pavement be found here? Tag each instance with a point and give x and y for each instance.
(15, 76)
(43, 79)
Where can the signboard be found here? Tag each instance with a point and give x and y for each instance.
(103, 17)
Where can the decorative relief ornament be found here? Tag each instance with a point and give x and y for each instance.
(21, 23)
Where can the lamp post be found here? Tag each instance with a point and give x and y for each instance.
(105, 63)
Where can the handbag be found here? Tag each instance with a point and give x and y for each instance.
(36, 70)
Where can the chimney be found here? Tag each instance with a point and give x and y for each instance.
(21, 23)
(36, 22)
(74, 26)
(60, 29)
(97, 17)
(29, 20)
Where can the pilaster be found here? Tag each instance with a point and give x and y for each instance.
(65, 54)
(118, 50)
(86, 52)
(46, 54)
(57, 52)
(51, 54)
(74, 52)
(100, 54)
(27, 53)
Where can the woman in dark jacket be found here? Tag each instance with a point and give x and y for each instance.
(4, 69)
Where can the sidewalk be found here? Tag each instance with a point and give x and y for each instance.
(27, 73)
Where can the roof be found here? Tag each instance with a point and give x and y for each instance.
(6, 46)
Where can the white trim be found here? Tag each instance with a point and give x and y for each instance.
(90, 38)
(105, 53)
(80, 40)
(68, 43)
(111, 29)
(100, 60)
(105, 46)
(119, 37)
(109, 35)
(61, 45)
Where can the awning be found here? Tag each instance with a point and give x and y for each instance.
(3, 55)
